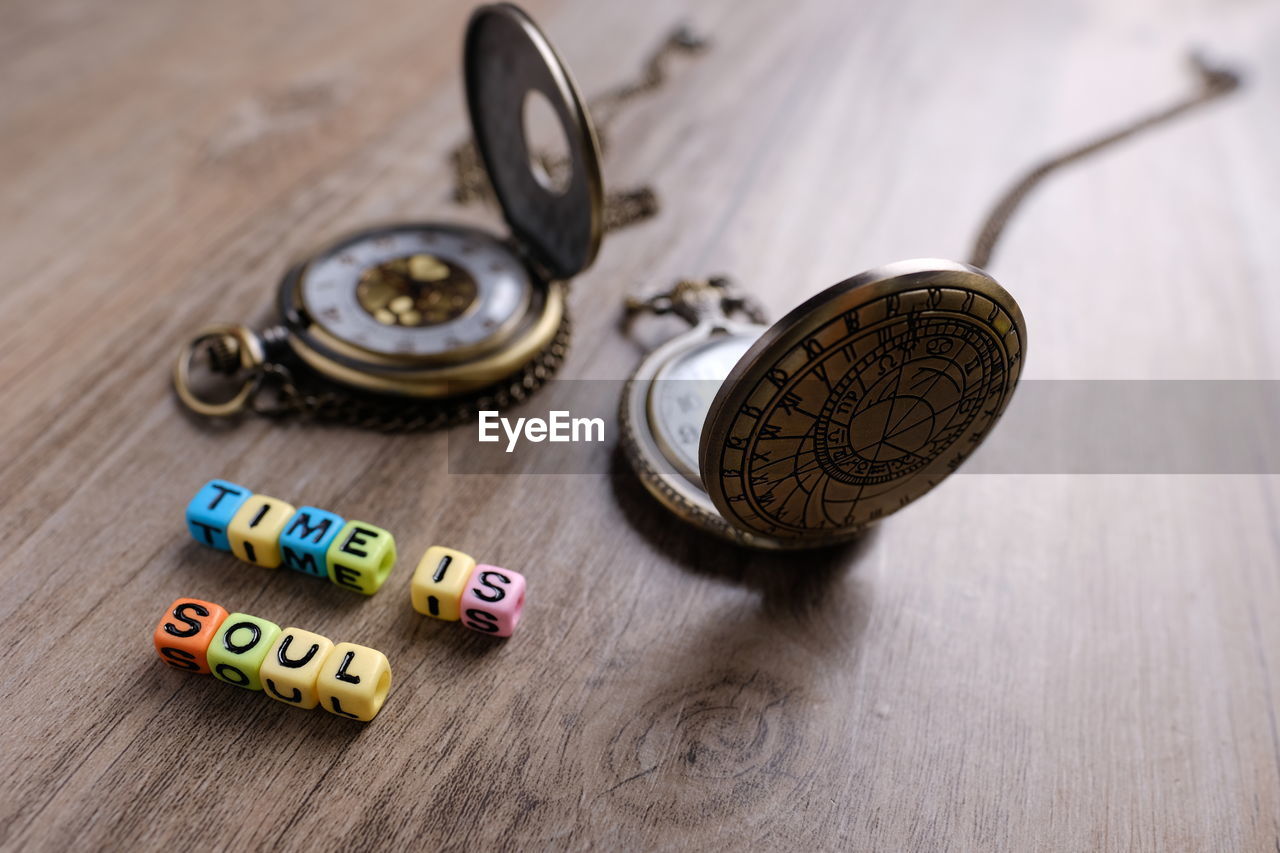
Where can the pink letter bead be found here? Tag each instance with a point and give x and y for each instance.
(493, 600)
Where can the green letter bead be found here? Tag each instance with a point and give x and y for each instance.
(361, 557)
(239, 647)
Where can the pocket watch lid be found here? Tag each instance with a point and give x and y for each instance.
(861, 400)
(507, 59)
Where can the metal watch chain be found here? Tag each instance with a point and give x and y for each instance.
(690, 299)
(1213, 82)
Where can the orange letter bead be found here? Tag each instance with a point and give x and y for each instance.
(291, 667)
(354, 681)
(183, 635)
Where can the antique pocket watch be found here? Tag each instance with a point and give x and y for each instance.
(854, 404)
(412, 325)
(851, 406)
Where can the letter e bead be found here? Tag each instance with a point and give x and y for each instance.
(361, 557)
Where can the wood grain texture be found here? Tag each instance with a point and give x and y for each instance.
(1018, 662)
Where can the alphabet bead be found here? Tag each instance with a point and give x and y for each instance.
(267, 532)
(439, 581)
(255, 530)
(292, 665)
(361, 557)
(182, 638)
(306, 539)
(493, 600)
(239, 647)
(211, 511)
(354, 681)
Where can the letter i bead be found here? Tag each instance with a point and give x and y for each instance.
(449, 585)
(255, 530)
(293, 664)
(439, 581)
(211, 510)
(182, 638)
(239, 648)
(493, 600)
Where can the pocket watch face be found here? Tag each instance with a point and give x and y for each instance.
(417, 291)
(681, 395)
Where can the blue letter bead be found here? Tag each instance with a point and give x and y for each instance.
(307, 537)
(210, 512)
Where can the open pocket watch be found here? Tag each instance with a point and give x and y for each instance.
(850, 407)
(416, 325)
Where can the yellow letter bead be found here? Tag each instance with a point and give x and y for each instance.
(361, 557)
(354, 681)
(255, 530)
(239, 647)
(438, 582)
(293, 664)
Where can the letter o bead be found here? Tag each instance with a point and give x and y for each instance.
(183, 636)
(292, 665)
(493, 601)
(239, 648)
(354, 681)
(361, 557)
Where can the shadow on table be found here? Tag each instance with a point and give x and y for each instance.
(734, 720)
(794, 582)
(200, 709)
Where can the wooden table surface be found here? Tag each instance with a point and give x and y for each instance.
(1017, 662)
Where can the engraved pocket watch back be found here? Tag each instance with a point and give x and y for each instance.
(416, 324)
(861, 400)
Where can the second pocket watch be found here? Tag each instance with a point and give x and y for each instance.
(850, 407)
(414, 325)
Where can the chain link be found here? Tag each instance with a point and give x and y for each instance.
(1214, 82)
(696, 300)
(294, 396)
